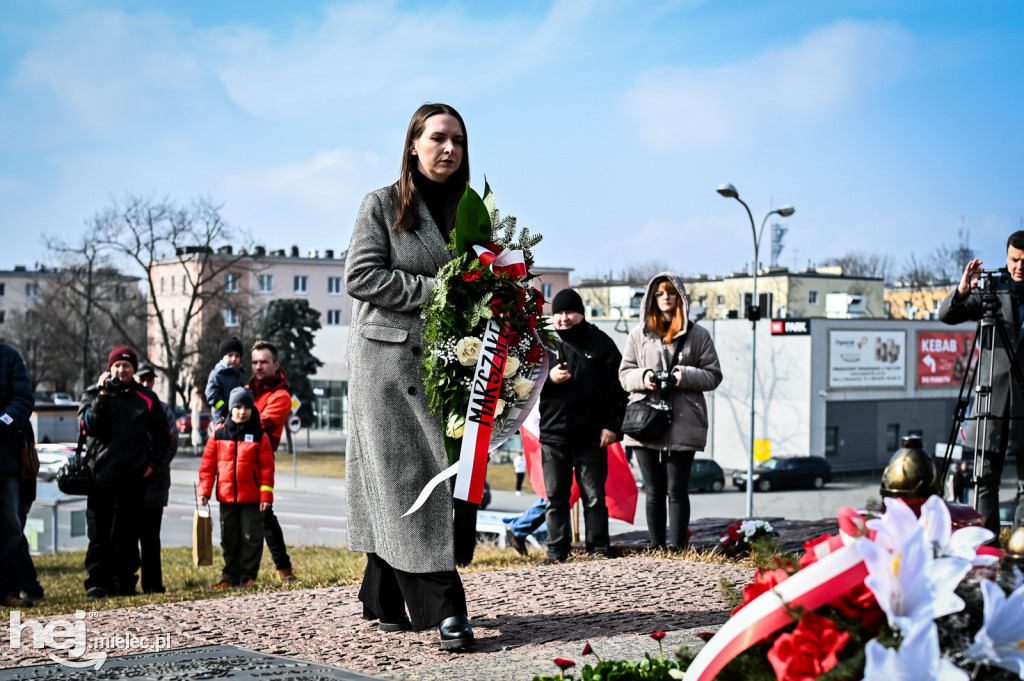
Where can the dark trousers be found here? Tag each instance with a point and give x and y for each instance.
(241, 537)
(519, 481)
(591, 466)
(14, 553)
(666, 474)
(988, 490)
(149, 547)
(113, 517)
(29, 577)
(275, 540)
(431, 597)
(464, 531)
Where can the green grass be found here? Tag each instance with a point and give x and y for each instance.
(62, 575)
(332, 465)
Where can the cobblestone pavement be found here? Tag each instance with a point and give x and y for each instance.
(522, 618)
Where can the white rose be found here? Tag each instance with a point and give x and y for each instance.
(511, 366)
(468, 350)
(456, 426)
(499, 408)
(522, 387)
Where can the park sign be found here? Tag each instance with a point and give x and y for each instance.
(791, 327)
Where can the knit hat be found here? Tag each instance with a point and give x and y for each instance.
(241, 397)
(231, 345)
(123, 352)
(567, 300)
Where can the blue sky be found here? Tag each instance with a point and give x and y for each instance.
(605, 125)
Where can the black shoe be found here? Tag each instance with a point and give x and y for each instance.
(34, 596)
(515, 542)
(401, 625)
(553, 560)
(94, 592)
(456, 633)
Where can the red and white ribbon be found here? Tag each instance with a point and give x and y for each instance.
(508, 261)
(812, 587)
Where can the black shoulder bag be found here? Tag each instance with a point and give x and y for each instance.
(648, 419)
(75, 477)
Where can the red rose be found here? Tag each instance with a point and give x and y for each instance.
(513, 337)
(471, 275)
(535, 353)
(531, 322)
(859, 603)
(809, 651)
(496, 306)
(538, 295)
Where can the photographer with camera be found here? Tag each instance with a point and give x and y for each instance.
(580, 414)
(669, 360)
(128, 438)
(1004, 430)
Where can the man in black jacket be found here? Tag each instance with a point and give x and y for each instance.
(128, 440)
(16, 403)
(581, 409)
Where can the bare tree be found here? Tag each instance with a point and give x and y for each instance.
(153, 238)
(862, 264)
(642, 272)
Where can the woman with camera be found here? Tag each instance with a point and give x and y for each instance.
(671, 362)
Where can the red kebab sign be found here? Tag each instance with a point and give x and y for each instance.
(943, 357)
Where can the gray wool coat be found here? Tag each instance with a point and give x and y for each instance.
(696, 366)
(394, 445)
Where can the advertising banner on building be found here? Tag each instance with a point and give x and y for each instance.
(943, 357)
(867, 359)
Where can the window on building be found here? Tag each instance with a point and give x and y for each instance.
(161, 284)
(266, 283)
(172, 284)
(3, 313)
(30, 316)
(812, 297)
(230, 283)
(263, 313)
(334, 285)
(230, 317)
(892, 437)
(32, 290)
(333, 317)
(546, 290)
(173, 322)
(3, 289)
(719, 300)
(120, 295)
(299, 283)
(831, 440)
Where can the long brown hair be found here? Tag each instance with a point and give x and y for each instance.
(656, 320)
(406, 190)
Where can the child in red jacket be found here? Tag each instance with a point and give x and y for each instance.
(239, 458)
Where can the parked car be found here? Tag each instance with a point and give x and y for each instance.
(185, 423)
(787, 472)
(706, 476)
(51, 458)
(63, 398)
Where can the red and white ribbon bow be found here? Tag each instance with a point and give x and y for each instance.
(508, 261)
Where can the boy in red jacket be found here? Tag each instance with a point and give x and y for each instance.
(238, 456)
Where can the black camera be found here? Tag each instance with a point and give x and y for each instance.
(994, 281)
(113, 383)
(664, 380)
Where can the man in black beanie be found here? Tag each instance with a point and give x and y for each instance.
(224, 378)
(581, 408)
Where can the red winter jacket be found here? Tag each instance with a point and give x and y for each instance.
(274, 403)
(239, 457)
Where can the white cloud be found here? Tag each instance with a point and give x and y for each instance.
(830, 69)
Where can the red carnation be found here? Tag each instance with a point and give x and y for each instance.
(658, 635)
(764, 580)
(809, 651)
(496, 306)
(538, 296)
(531, 322)
(513, 337)
(535, 353)
(563, 663)
(471, 275)
(859, 603)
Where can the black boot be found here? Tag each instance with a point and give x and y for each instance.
(456, 633)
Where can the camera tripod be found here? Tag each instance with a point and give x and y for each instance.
(981, 375)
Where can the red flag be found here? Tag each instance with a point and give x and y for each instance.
(620, 488)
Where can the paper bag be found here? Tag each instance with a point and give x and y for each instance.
(202, 536)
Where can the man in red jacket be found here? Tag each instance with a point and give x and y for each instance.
(274, 403)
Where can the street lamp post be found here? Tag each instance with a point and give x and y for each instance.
(753, 313)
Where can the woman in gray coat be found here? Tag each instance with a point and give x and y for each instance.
(395, 446)
(669, 358)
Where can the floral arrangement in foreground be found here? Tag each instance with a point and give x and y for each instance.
(488, 279)
(739, 537)
(647, 669)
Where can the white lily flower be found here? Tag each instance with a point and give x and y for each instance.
(917, 657)
(899, 522)
(1000, 641)
(910, 584)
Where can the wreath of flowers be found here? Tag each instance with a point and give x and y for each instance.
(739, 537)
(468, 292)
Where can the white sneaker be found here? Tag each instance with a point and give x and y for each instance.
(519, 494)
